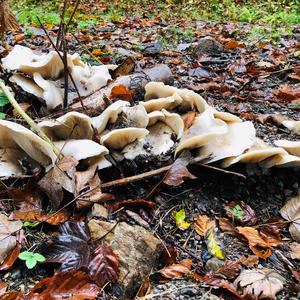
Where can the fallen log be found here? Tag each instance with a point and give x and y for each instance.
(135, 81)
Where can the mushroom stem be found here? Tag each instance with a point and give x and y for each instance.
(29, 121)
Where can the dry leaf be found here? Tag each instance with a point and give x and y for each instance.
(203, 223)
(226, 226)
(249, 261)
(291, 212)
(177, 270)
(260, 283)
(125, 68)
(230, 270)
(3, 287)
(121, 92)
(8, 240)
(260, 245)
(288, 93)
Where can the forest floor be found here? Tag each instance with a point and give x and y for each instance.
(237, 70)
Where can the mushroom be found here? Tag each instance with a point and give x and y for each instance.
(190, 99)
(15, 136)
(156, 143)
(256, 154)
(240, 137)
(160, 103)
(204, 129)
(283, 160)
(119, 138)
(27, 85)
(109, 115)
(293, 126)
(292, 147)
(136, 116)
(73, 125)
(227, 117)
(86, 150)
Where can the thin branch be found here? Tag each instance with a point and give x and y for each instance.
(65, 60)
(29, 121)
(73, 14)
(62, 59)
(62, 18)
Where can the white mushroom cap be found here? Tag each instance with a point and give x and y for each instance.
(294, 126)
(204, 129)
(156, 143)
(154, 117)
(15, 136)
(27, 85)
(240, 137)
(119, 138)
(292, 147)
(175, 122)
(109, 115)
(160, 103)
(98, 79)
(227, 117)
(73, 125)
(136, 116)
(283, 160)
(256, 154)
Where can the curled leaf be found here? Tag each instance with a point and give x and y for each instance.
(202, 224)
(177, 270)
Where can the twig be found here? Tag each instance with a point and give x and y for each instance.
(62, 59)
(222, 170)
(62, 18)
(73, 14)
(65, 61)
(29, 121)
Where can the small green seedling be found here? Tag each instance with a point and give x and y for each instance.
(31, 259)
(236, 212)
(30, 224)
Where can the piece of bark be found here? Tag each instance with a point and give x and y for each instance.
(7, 19)
(135, 82)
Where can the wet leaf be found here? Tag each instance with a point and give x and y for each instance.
(179, 217)
(175, 176)
(216, 282)
(288, 93)
(103, 267)
(168, 256)
(241, 212)
(291, 212)
(125, 68)
(144, 288)
(226, 226)
(261, 245)
(213, 243)
(260, 283)
(76, 284)
(121, 92)
(70, 248)
(132, 205)
(8, 239)
(177, 270)
(230, 269)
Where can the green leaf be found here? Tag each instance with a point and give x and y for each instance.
(25, 255)
(39, 257)
(31, 263)
(236, 211)
(179, 218)
(30, 224)
(3, 99)
(2, 116)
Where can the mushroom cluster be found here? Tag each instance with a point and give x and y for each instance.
(43, 75)
(168, 121)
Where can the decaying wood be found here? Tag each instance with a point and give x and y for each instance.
(136, 82)
(7, 19)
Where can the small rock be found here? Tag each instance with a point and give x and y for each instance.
(199, 73)
(213, 264)
(135, 248)
(153, 48)
(208, 46)
(99, 211)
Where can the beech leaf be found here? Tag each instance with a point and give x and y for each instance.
(179, 217)
(260, 283)
(291, 212)
(177, 270)
(241, 212)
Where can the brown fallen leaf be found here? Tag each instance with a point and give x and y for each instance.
(12, 295)
(175, 176)
(226, 226)
(7, 19)
(76, 284)
(125, 68)
(8, 239)
(215, 282)
(260, 245)
(104, 267)
(121, 92)
(288, 93)
(291, 212)
(168, 256)
(295, 251)
(177, 270)
(260, 283)
(203, 223)
(249, 261)
(144, 288)
(3, 287)
(230, 270)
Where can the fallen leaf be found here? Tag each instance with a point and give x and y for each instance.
(288, 93)
(3, 287)
(75, 285)
(144, 288)
(230, 269)
(226, 226)
(70, 248)
(121, 92)
(125, 68)
(177, 270)
(103, 268)
(291, 212)
(295, 251)
(168, 256)
(213, 243)
(260, 245)
(175, 176)
(12, 295)
(232, 44)
(217, 283)
(38, 216)
(241, 212)
(189, 119)
(239, 67)
(260, 283)
(132, 205)
(179, 217)
(8, 239)
(249, 261)
(203, 223)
